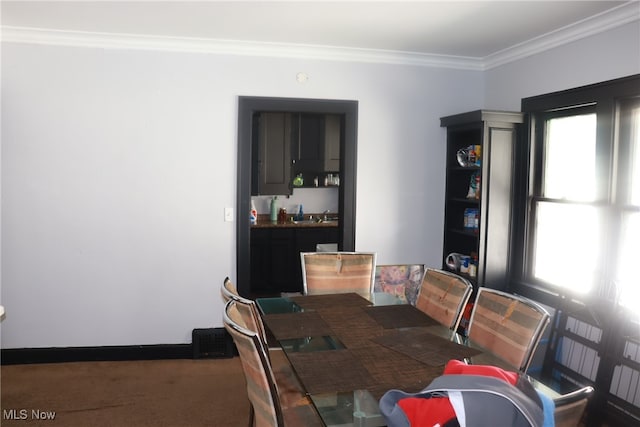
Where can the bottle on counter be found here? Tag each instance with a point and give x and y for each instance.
(253, 216)
(300, 216)
(273, 214)
(282, 216)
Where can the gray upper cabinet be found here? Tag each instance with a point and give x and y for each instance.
(287, 144)
(308, 146)
(333, 135)
(271, 140)
(316, 147)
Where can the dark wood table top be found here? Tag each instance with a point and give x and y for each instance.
(347, 352)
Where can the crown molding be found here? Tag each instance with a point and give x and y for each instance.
(621, 15)
(231, 47)
(616, 17)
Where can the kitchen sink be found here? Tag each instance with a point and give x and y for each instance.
(316, 221)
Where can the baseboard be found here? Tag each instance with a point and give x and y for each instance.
(209, 343)
(16, 356)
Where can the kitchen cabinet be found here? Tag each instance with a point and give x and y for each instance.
(316, 146)
(275, 256)
(288, 144)
(260, 265)
(308, 130)
(271, 147)
(479, 186)
(333, 135)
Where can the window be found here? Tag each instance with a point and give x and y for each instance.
(583, 204)
(563, 208)
(575, 246)
(626, 270)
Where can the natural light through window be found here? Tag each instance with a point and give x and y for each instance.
(562, 255)
(627, 270)
(570, 158)
(567, 234)
(627, 277)
(635, 155)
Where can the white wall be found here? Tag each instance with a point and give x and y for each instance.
(606, 56)
(117, 166)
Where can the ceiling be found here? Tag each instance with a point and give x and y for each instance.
(465, 29)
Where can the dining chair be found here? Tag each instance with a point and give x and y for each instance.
(570, 407)
(246, 307)
(248, 311)
(269, 406)
(229, 290)
(443, 296)
(253, 321)
(507, 326)
(400, 280)
(338, 272)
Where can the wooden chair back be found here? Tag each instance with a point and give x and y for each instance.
(508, 326)
(247, 308)
(261, 385)
(229, 290)
(443, 296)
(338, 272)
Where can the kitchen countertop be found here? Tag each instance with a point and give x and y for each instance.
(267, 224)
(264, 222)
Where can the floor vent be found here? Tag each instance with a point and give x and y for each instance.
(212, 343)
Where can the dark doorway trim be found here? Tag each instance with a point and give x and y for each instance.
(247, 106)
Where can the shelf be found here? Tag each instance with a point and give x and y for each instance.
(465, 200)
(473, 279)
(465, 168)
(496, 133)
(309, 178)
(462, 231)
(313, 186)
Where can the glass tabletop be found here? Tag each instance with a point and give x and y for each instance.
(356, 408)
(337, 409)
(310, 344)
(345, 408)
(285, 305)
(277, 305)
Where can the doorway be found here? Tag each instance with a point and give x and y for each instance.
(247, 107)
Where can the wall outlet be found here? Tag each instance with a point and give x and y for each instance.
(228, 214)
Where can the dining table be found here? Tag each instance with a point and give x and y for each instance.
(347, 350)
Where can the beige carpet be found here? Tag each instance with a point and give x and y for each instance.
(175, 393)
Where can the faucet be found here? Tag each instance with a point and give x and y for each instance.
(325, 214)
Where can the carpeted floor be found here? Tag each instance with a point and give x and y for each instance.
(172, 393)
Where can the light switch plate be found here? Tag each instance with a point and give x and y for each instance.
(228, 214)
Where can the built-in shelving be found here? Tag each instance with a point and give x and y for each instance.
(491, 136)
